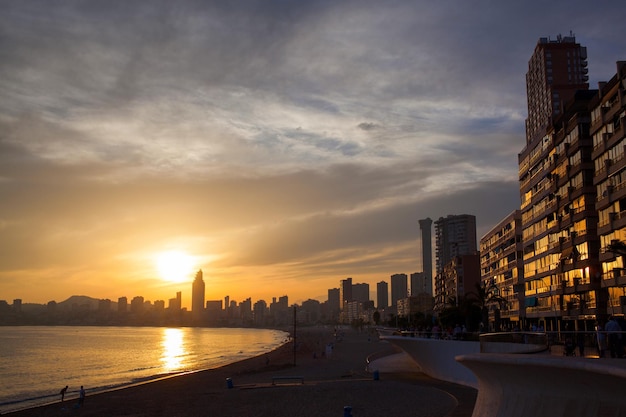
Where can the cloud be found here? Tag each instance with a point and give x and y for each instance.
(283, 139)
(367, 126)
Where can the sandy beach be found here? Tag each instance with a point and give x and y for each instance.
(327, 381)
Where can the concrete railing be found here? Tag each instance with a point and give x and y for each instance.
(435, 357)
(515, 385)
(514, 342)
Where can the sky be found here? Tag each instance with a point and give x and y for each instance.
(279, 146)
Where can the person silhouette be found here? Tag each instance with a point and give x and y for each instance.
(81, 397)
(63, 391)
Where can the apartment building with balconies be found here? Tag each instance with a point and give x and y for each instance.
(556, 172)
(502, 271)
(608, 127)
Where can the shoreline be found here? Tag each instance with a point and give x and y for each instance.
(33, 377)
(258, 388)
(237, 366)
(280, 357)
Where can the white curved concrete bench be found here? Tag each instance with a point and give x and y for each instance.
(515, 385)
(436, 357)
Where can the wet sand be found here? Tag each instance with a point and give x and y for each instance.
(330, 383)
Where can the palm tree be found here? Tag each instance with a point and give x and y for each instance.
(485, 296)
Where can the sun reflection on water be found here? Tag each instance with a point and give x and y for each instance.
(173, 349)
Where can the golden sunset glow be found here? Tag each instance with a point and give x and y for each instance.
(174, 266)
(278, 157)
(173, 349)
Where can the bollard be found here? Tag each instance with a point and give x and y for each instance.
(229, 383)
(376, 375)
(347, 411)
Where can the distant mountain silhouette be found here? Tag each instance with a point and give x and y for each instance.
(72, 302)
(80, 300)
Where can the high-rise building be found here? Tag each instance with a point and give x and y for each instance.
(213, 309)
(259, 312)
(175, 304)
(454, 235)
(557, 189)
(197, 296)
(360, 292)
(399, 288)
(122, 305)
(137, 304)
(427, 252)
(556, 70)
(608, 130)
(345, 292)
(459, 277)
(245, 309)
(382, 295)
(421, 284)
(334, 304)
(502, 270)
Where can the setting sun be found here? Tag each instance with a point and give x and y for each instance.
(174, 266)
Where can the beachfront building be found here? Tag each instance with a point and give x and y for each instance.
(459, 277)
(421, 284)
(197, 297)
(260, 313)
(454, 235)
(399, 288)
(279, 311)
(334, 304)
(427, 253)
(382, 295)
(556, 174)
(415, 305)
(345, 292)
(175, 304)
(352, 312)
(502, 271)
(214, 311)
(361, 292)
(122, 305)
(608, 130)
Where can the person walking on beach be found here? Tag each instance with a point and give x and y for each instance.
(81, 396)
(63, 391)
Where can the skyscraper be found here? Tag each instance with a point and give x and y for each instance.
(557, 188)
(556, 70)
(345, 292)
(427, 252)
(334, 304)
(197, 296)
(454, 235)
(420, 284)
(608, 129)
(361, 292)
(382, 295)
(399, 288)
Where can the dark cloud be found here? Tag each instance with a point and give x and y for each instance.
(308, 137)
(367, 126)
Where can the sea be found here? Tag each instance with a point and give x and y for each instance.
(37, 361)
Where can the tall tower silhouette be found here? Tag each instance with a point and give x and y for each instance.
(427, 251)
(197, 296)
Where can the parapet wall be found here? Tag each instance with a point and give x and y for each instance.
(435, 357)
(518, 385)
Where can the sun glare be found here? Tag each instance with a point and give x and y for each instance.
(174, 266)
